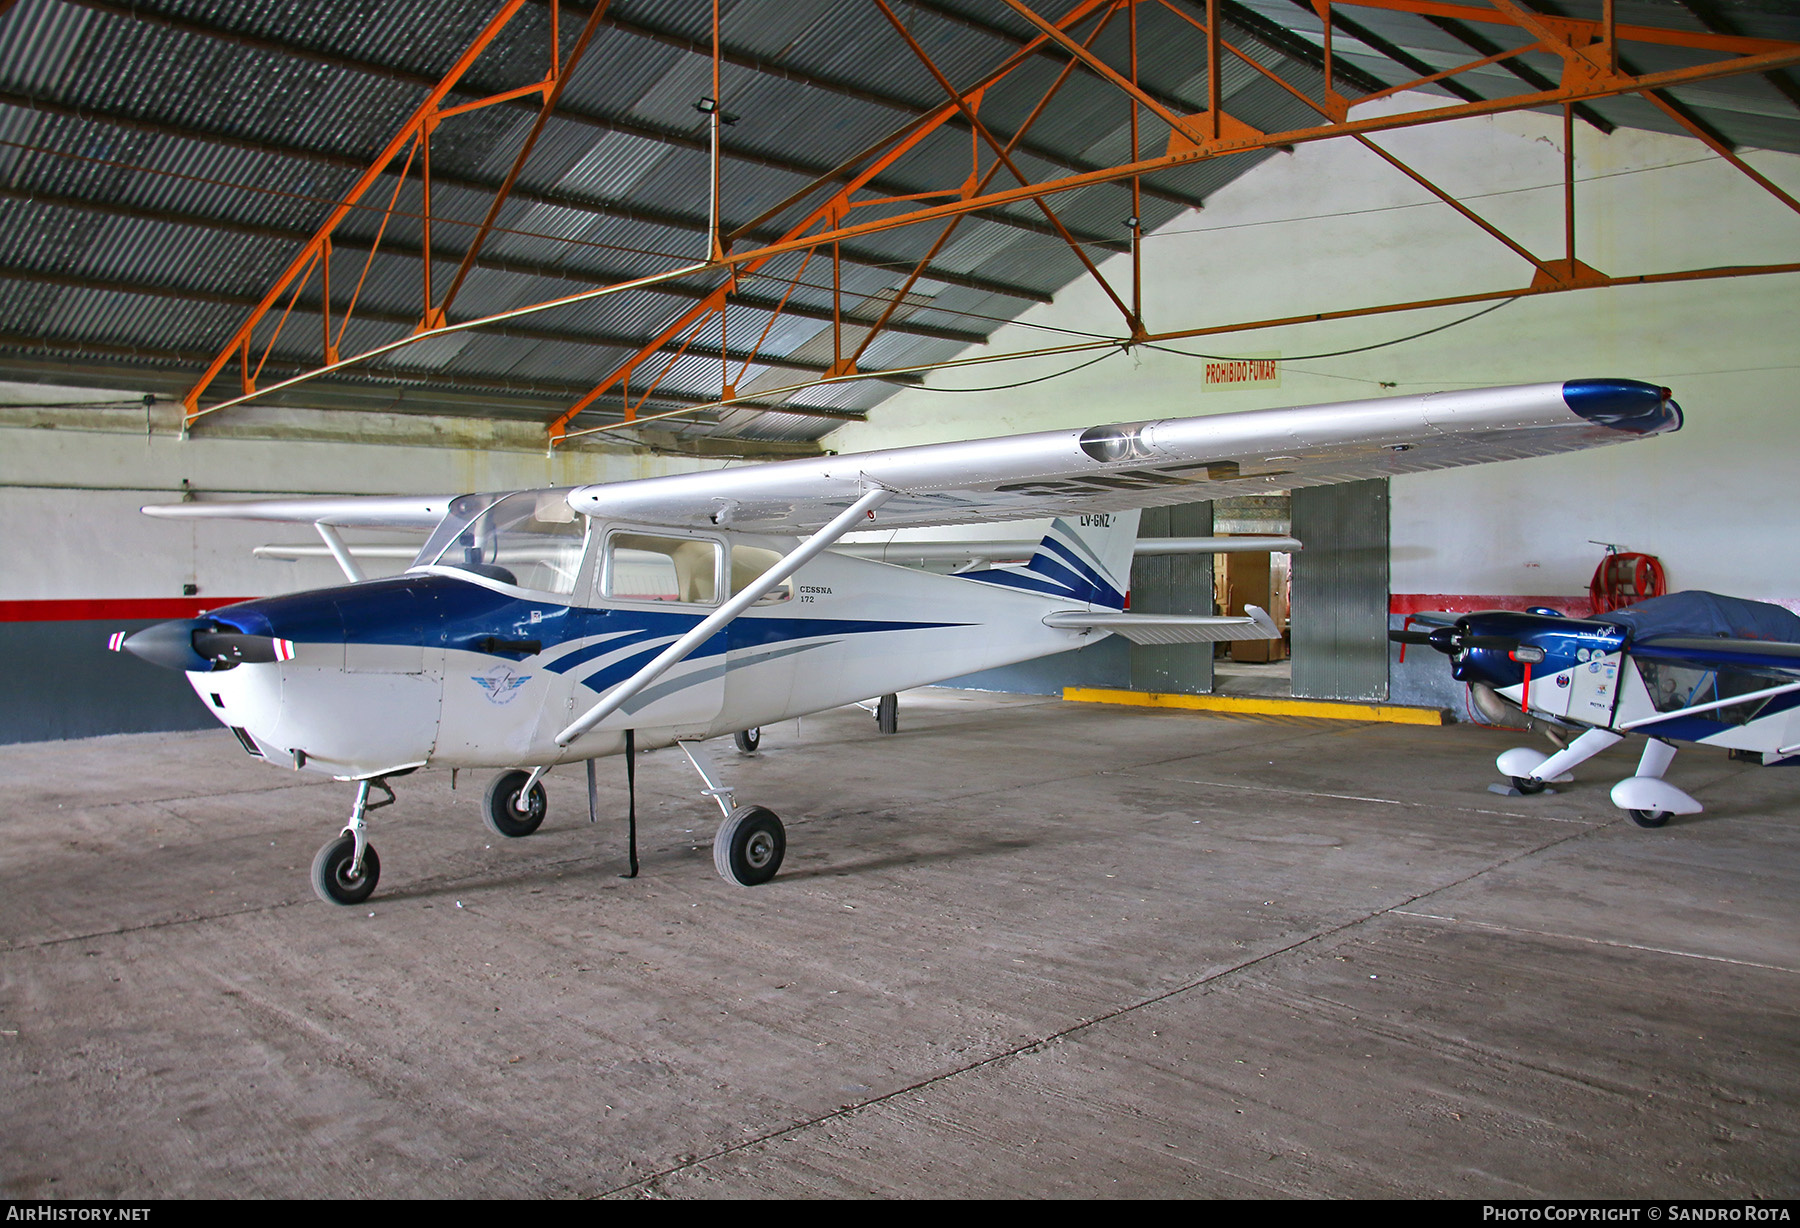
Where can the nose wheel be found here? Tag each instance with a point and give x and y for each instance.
(346, 869)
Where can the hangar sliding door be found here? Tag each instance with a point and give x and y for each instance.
(1340, 584)
(1173, 584)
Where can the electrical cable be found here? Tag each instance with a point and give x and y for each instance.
(1361, 349)
(1028, 382)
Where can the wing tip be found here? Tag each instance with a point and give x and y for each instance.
(1627, 405)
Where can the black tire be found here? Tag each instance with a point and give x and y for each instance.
(1650, 818)
(1527, 785)
(747, 740)
(331, 872)
(750, 845)
(887, 714)
(497, 806)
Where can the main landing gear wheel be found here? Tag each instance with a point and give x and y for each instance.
(331, 876)
(749, 847)
(1650, 818)
(1527, 785)
(747, 740)
(498, 809)
(887, 714)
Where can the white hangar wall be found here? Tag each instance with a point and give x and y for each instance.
(78, 561)
(1331, 226)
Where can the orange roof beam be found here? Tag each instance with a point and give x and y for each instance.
(422, 117)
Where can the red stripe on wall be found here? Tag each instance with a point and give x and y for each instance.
(1458, 603)
(95, 609)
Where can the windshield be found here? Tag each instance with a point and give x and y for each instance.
(529, 538)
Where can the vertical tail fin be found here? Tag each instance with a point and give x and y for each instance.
(1082, 558)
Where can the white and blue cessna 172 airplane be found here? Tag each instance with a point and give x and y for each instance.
(547, 627)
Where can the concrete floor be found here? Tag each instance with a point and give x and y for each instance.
(1023, 948)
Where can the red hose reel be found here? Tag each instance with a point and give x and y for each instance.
(1624, 578)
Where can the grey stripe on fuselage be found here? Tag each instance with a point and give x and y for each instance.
(651, 694)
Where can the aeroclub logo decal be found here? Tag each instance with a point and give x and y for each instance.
(501, 684)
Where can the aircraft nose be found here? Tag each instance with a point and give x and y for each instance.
(170, 645)
(199, 646)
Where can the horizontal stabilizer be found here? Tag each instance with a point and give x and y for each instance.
(1171, 628)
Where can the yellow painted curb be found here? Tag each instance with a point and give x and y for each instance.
(1250, 705)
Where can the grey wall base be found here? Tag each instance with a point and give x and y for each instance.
(1424, 680)
(60, 681)
(1106, 664)
(1173, 584)
(1339, 621)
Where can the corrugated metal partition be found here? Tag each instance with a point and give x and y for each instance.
(1173, 584)
(1340, 580)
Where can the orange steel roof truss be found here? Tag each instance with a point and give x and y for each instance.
(1590, 69)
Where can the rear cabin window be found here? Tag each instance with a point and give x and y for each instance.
(749, 562)
(644, 567)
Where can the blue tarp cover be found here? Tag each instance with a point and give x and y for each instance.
(1698, 613)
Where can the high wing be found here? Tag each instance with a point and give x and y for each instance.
(1147, 464)
(1068, 472)
(420, 512)
(326, 513)
(1721, 653)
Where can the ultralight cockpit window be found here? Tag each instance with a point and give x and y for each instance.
(529, 538)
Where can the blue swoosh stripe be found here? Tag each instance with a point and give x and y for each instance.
(1012, 579)
(1080, 587)
(581, 656)
(1097, 584)
(754, 633)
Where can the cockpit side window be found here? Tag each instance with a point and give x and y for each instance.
(647, 567)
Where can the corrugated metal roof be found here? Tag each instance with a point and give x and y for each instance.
(160, 167)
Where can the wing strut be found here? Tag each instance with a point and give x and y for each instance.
(340, 552)
(802, 554)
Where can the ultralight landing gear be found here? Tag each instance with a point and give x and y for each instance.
(1650, 800)
(750, 845)
(514, 804)
(346, 870)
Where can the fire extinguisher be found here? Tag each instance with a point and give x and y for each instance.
(1625, 578)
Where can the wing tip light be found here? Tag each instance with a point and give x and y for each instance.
(1628, 405)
